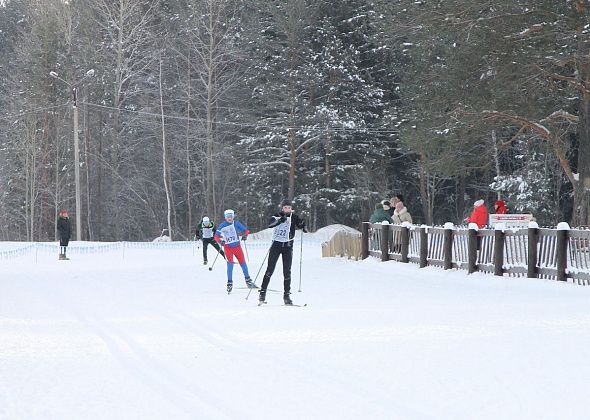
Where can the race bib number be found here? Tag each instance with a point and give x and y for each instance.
(281, 232)
(207, 232)
(230, 235)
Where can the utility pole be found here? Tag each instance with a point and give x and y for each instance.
(77, 166)
(74, 92)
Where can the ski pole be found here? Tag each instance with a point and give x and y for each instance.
(211, 268)
(259, 270)
(300, 259)
(246, 249)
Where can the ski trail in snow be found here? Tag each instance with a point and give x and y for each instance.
(168, 382)
(322, 381)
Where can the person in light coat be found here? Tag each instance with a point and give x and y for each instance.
(401, 214)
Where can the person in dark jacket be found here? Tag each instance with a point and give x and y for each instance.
(284, 223)
(206, 231)
(381, 213)
(64, 231)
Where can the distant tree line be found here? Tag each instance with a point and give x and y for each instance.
(200, 105)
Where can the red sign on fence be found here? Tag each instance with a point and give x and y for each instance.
(511, 220)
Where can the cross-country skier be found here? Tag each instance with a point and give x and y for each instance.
(206, 231)
(228, 234)
(64, 231)
(284, 223)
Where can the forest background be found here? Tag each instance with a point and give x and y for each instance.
(194, 106)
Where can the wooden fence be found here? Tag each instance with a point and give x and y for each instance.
(343, 244)
(559, 254)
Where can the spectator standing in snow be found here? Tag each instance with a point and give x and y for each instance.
(284, 223)
(381, 213)
(500, 207)
(206, 231)
(227, 234)
(401, 214)
(64, 231)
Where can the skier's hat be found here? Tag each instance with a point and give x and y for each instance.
(206, 219)
(286, 202)
(228, 213)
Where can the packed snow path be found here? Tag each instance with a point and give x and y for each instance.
(155, 336)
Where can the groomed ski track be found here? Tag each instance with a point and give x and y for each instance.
(154, 335)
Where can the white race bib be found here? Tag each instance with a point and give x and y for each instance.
(281, 232)
(230, 236)
(208, 232)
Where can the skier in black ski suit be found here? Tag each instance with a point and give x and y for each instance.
(206, 231)
(64, 230)
(284, 223)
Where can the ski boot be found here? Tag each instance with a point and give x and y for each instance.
(250, 283)
(287, 299)
(230, 286)
(262, 297)
(62, 256)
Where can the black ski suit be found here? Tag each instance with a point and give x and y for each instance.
(282, 247)
(64, 230)
(206, 233)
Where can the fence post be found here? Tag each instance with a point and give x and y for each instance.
(423, 247)
(385, 242)
(472, 251)
(533, 242)
(499, 250)
(364, 240)
(562, 237)
(405, 243)
(448, 246)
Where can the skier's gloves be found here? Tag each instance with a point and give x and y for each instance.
(244, 237)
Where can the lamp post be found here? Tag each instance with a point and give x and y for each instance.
(74, 91)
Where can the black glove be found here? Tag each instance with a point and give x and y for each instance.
(303, 228)
(244, 237)
(279, 220)
(198, 238)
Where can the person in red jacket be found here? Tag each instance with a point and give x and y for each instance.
(479, 215)
(500, 207)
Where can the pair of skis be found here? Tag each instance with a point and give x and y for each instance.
(292, 304)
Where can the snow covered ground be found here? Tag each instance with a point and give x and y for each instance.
(152, 334)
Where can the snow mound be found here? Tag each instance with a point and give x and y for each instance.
(322, 235)
(326, 233)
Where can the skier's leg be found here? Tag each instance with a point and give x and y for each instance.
(273, 257)
(230, 263)
(239, 253)
(230, 268)
(205, 245)
(287, 261)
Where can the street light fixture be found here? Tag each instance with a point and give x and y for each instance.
(73, 88)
